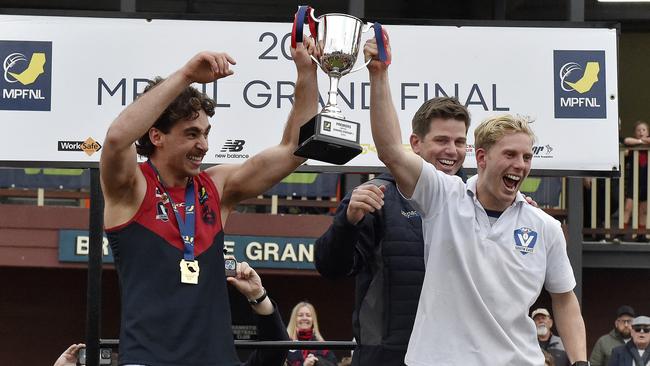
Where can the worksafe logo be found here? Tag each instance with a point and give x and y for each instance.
(579, 84)
(90, 146)
(26, 84)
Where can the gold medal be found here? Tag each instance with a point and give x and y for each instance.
(189, 272)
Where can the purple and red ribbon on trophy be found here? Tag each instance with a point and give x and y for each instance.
(307, 13)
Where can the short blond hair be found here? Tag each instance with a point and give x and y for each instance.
(493, 129)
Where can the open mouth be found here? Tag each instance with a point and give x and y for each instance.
(447, 163)
(195, 158)
(511, 181)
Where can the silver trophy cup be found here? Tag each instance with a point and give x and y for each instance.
(329, 136)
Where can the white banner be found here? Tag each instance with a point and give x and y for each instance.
(65, 80)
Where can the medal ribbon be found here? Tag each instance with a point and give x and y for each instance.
(185, 227)
(381, 45)
(303, 12)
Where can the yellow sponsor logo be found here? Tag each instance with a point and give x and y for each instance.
(90, 146)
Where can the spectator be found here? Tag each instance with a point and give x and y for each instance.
(303, 326)
(640, 138)
(549, 342)
(618, 336)
(634, 353)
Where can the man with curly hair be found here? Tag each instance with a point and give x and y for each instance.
(165, 218)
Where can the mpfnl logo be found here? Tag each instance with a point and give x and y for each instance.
(27, 75)
(579, 84)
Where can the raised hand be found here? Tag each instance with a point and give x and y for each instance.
(208, 66)
(365, 198)
(370, 51)
(301, 54)
(247, 281)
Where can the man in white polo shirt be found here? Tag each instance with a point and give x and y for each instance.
(488, 253)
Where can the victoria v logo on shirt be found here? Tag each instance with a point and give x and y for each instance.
(525, 240)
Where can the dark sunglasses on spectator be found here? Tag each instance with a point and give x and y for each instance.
(641, 329)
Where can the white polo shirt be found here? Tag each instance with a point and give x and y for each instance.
(482, 279)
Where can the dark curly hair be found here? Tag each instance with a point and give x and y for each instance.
(441, 107)
(185, 107)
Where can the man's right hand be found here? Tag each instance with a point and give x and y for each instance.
(365, 198)
(206, 67)
(370, 51)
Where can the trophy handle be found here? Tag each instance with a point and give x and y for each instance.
(316, 61)
(366, 27)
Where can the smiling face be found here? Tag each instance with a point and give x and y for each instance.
(502, 168)
(304, 319)
(179, 152)
(444, 145)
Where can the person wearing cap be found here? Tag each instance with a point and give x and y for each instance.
(616, 337)
(548, 341)
(634, 353)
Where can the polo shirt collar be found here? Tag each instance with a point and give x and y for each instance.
(471, 190)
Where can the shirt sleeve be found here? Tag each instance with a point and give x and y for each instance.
(339, 250)
(429, 191)
(559, 273)
(270, 328)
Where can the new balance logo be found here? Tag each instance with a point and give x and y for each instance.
(233, 146)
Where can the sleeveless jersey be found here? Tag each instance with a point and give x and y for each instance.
(166, 322)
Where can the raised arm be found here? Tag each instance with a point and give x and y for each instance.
(404, 165)
(269, 323)
(122, 182)
(267, 168)
(570, 325)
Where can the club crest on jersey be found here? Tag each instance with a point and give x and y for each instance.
(161, 212)
(525, 240)
(161, 196)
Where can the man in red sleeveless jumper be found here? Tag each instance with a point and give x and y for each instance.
(165, 218)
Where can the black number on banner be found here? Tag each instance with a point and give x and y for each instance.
(265, 54)
(284, 46)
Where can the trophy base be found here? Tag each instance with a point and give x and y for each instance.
(329, 139)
